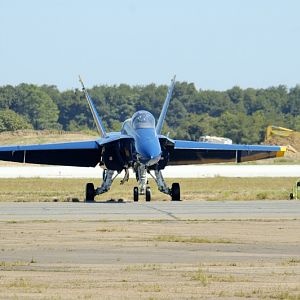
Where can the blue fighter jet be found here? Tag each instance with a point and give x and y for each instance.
(139, 146)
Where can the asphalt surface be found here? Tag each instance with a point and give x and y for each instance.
(184, 210)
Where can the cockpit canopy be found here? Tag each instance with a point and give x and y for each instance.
(143, 119)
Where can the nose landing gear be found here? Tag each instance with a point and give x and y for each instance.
(148, 194)
(142, 189)
(136, 194)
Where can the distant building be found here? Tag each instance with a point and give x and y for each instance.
(215, 139)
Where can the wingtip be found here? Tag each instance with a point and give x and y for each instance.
(281, 152)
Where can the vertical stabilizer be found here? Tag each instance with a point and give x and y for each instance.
(96, 117)
(163, 113)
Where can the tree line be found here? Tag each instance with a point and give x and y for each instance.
(239, 114)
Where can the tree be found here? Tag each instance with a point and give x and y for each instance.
(241, 114)
(10, 121)
(7, 96)
(33, 103)
(293, 103)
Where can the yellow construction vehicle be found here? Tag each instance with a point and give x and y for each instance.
(279, 131)
(290, 137)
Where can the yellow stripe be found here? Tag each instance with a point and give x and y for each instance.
(283, 148)
(281, 152)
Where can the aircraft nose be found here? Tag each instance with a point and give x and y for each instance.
(149, 155)
(148, 147)
(150, 160)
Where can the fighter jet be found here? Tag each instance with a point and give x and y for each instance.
(140, 146)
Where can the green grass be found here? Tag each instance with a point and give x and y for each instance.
(206, 278)
(9, 264)
(194, 239)
(218, 188)
(201, 277)
(24, 137)
(257, 293)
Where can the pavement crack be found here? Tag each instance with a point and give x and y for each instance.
(163, 212)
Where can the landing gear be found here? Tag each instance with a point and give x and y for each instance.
(89, 192)
(135, 194)
(141, 176)
(148, 194)
(142, 189)
(142, 179)
(108, 178)
(175, 192)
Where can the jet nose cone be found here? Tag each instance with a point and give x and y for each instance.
(147, 146)
(154, 160)
(150, 160)
(149, 156)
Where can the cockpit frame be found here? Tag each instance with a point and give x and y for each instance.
(142, 119)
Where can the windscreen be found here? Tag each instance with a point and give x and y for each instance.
(143, 119)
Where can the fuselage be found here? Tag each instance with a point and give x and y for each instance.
(141, 127)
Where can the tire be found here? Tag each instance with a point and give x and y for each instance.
(175, 191)
(89, 192)
(135, 194)
(148, 194)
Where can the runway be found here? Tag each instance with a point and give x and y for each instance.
(120, 249)
(185, 210)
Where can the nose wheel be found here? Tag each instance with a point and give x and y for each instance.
(136, 194)
(148, 194)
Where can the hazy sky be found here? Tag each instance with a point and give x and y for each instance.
(215, 44)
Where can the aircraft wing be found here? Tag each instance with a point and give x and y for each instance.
(81, 154)
(190, 153)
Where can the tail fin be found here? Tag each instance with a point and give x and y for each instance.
(163, 113)
(96, 117)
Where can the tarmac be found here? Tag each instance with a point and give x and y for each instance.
(183, 210)
(139, 250)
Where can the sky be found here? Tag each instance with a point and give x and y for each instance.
(215, 44)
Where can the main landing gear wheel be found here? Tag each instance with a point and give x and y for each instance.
(89, 192)
(175, 192)
(148, 194)
(135, 194)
